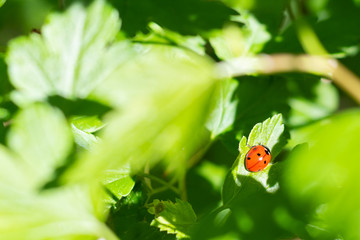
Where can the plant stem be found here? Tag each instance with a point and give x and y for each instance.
(308, 39)
(199, 154)
(182, 186)
(276, 63)
(147, 171)
(156, 179)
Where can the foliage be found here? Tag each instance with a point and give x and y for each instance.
(175, 218)
(131, 119)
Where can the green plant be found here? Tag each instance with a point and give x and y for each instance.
(131, 119)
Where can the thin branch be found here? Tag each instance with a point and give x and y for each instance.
(182, 187)
(277, 63)
(156, 179)
(147, 181)
(199, 154)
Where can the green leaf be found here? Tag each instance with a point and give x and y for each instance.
(174, 218)
(267, 133)
(234, 41)
(71, 56)
(321, 101)
(228, 42)
(12, 174)
(84, 139)
(118, 182)
(65, 213)
(41, 137)
(223, 108)
(322, 178)
(87, 124)
(161, 120)
(160, 35)
(130, 219)
(255, 33)
(83, 127)
(2, 2)
(39, 140)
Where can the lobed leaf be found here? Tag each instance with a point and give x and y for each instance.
(223, 108)
(41, 138)
(118, 182)
(267, 133)
(70, 57)
(160, 35)
(84, 139)
(161, 120)
(87, 124)
(131, 220)
(235, 41)
(174, 218)
(83, 128)
(65, 213)
(39, 141)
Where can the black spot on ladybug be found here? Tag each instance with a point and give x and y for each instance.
(248, 158)
(267, 151)
(258, 154)
(265, 162)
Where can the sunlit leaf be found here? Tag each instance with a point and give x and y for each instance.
(87, 124)
(39, 141)
(175, 218)
(84, 139)
(223, 109)
(267, 133)
(160, 35)
(40, 136)
(324, 176)
(234, 41)
(162, 120)
(65, 213)
(83, 128)
(255, 33)
(70, 57)
(118, 182)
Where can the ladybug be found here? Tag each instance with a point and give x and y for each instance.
(257, 158)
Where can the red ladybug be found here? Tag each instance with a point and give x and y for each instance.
(257, 158)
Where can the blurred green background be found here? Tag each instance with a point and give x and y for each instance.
(160, 116)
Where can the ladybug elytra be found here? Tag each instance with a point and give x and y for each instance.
(257, 158)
